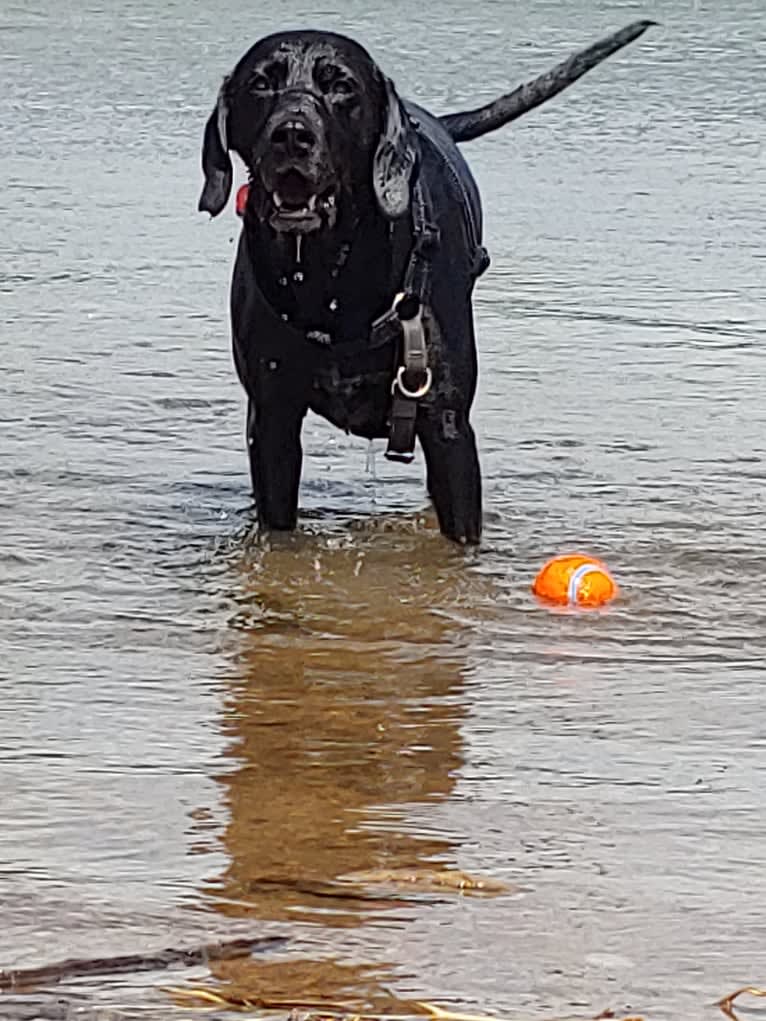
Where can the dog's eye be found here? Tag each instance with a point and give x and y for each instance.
(260, 82)
(342, 87)
(334, 81)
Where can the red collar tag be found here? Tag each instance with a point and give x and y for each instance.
(241, 200)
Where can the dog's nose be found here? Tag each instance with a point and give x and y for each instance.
(293, 137)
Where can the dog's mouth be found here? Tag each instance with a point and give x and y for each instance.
(298, 206)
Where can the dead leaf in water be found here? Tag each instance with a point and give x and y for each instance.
(196, 996)
(430, 881)
(609, 1014)
(442, 1014)
(304, 1009)
(727, 1003)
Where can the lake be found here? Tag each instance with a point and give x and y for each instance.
(207, 737)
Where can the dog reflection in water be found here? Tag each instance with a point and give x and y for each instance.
(345, 706)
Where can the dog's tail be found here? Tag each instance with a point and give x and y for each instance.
(473, 123)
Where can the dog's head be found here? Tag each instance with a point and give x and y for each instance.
(317, 125)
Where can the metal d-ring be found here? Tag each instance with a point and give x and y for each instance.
(414, 395)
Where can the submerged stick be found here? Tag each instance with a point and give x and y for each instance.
(48, 974)
(473, 123)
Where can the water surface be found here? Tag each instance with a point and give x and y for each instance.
(200, 735)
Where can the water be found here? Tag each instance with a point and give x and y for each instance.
(199, 735)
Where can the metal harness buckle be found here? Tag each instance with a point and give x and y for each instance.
(414, 354)
(414, 395)
(401, 440)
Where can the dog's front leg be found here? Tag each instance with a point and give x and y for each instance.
(276, 455)
(453, 473)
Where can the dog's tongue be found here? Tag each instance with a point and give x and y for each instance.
(294, 190)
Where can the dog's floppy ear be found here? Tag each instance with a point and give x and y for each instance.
(395, 157)
(216, 162)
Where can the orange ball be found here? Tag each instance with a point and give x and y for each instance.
(575, 580)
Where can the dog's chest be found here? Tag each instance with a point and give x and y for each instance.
(331, 298)
(324, 353)
(354, 391)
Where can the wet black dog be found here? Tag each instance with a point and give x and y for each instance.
(355, 198)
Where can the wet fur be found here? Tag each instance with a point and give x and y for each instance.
(367, 147)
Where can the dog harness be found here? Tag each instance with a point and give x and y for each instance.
(412, 379)
(401, 329)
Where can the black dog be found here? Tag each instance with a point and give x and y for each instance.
(360, 247)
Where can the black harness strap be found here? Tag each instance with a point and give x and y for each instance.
(412, 375)
(400, 328)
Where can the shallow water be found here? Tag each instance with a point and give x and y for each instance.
(199, 734)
